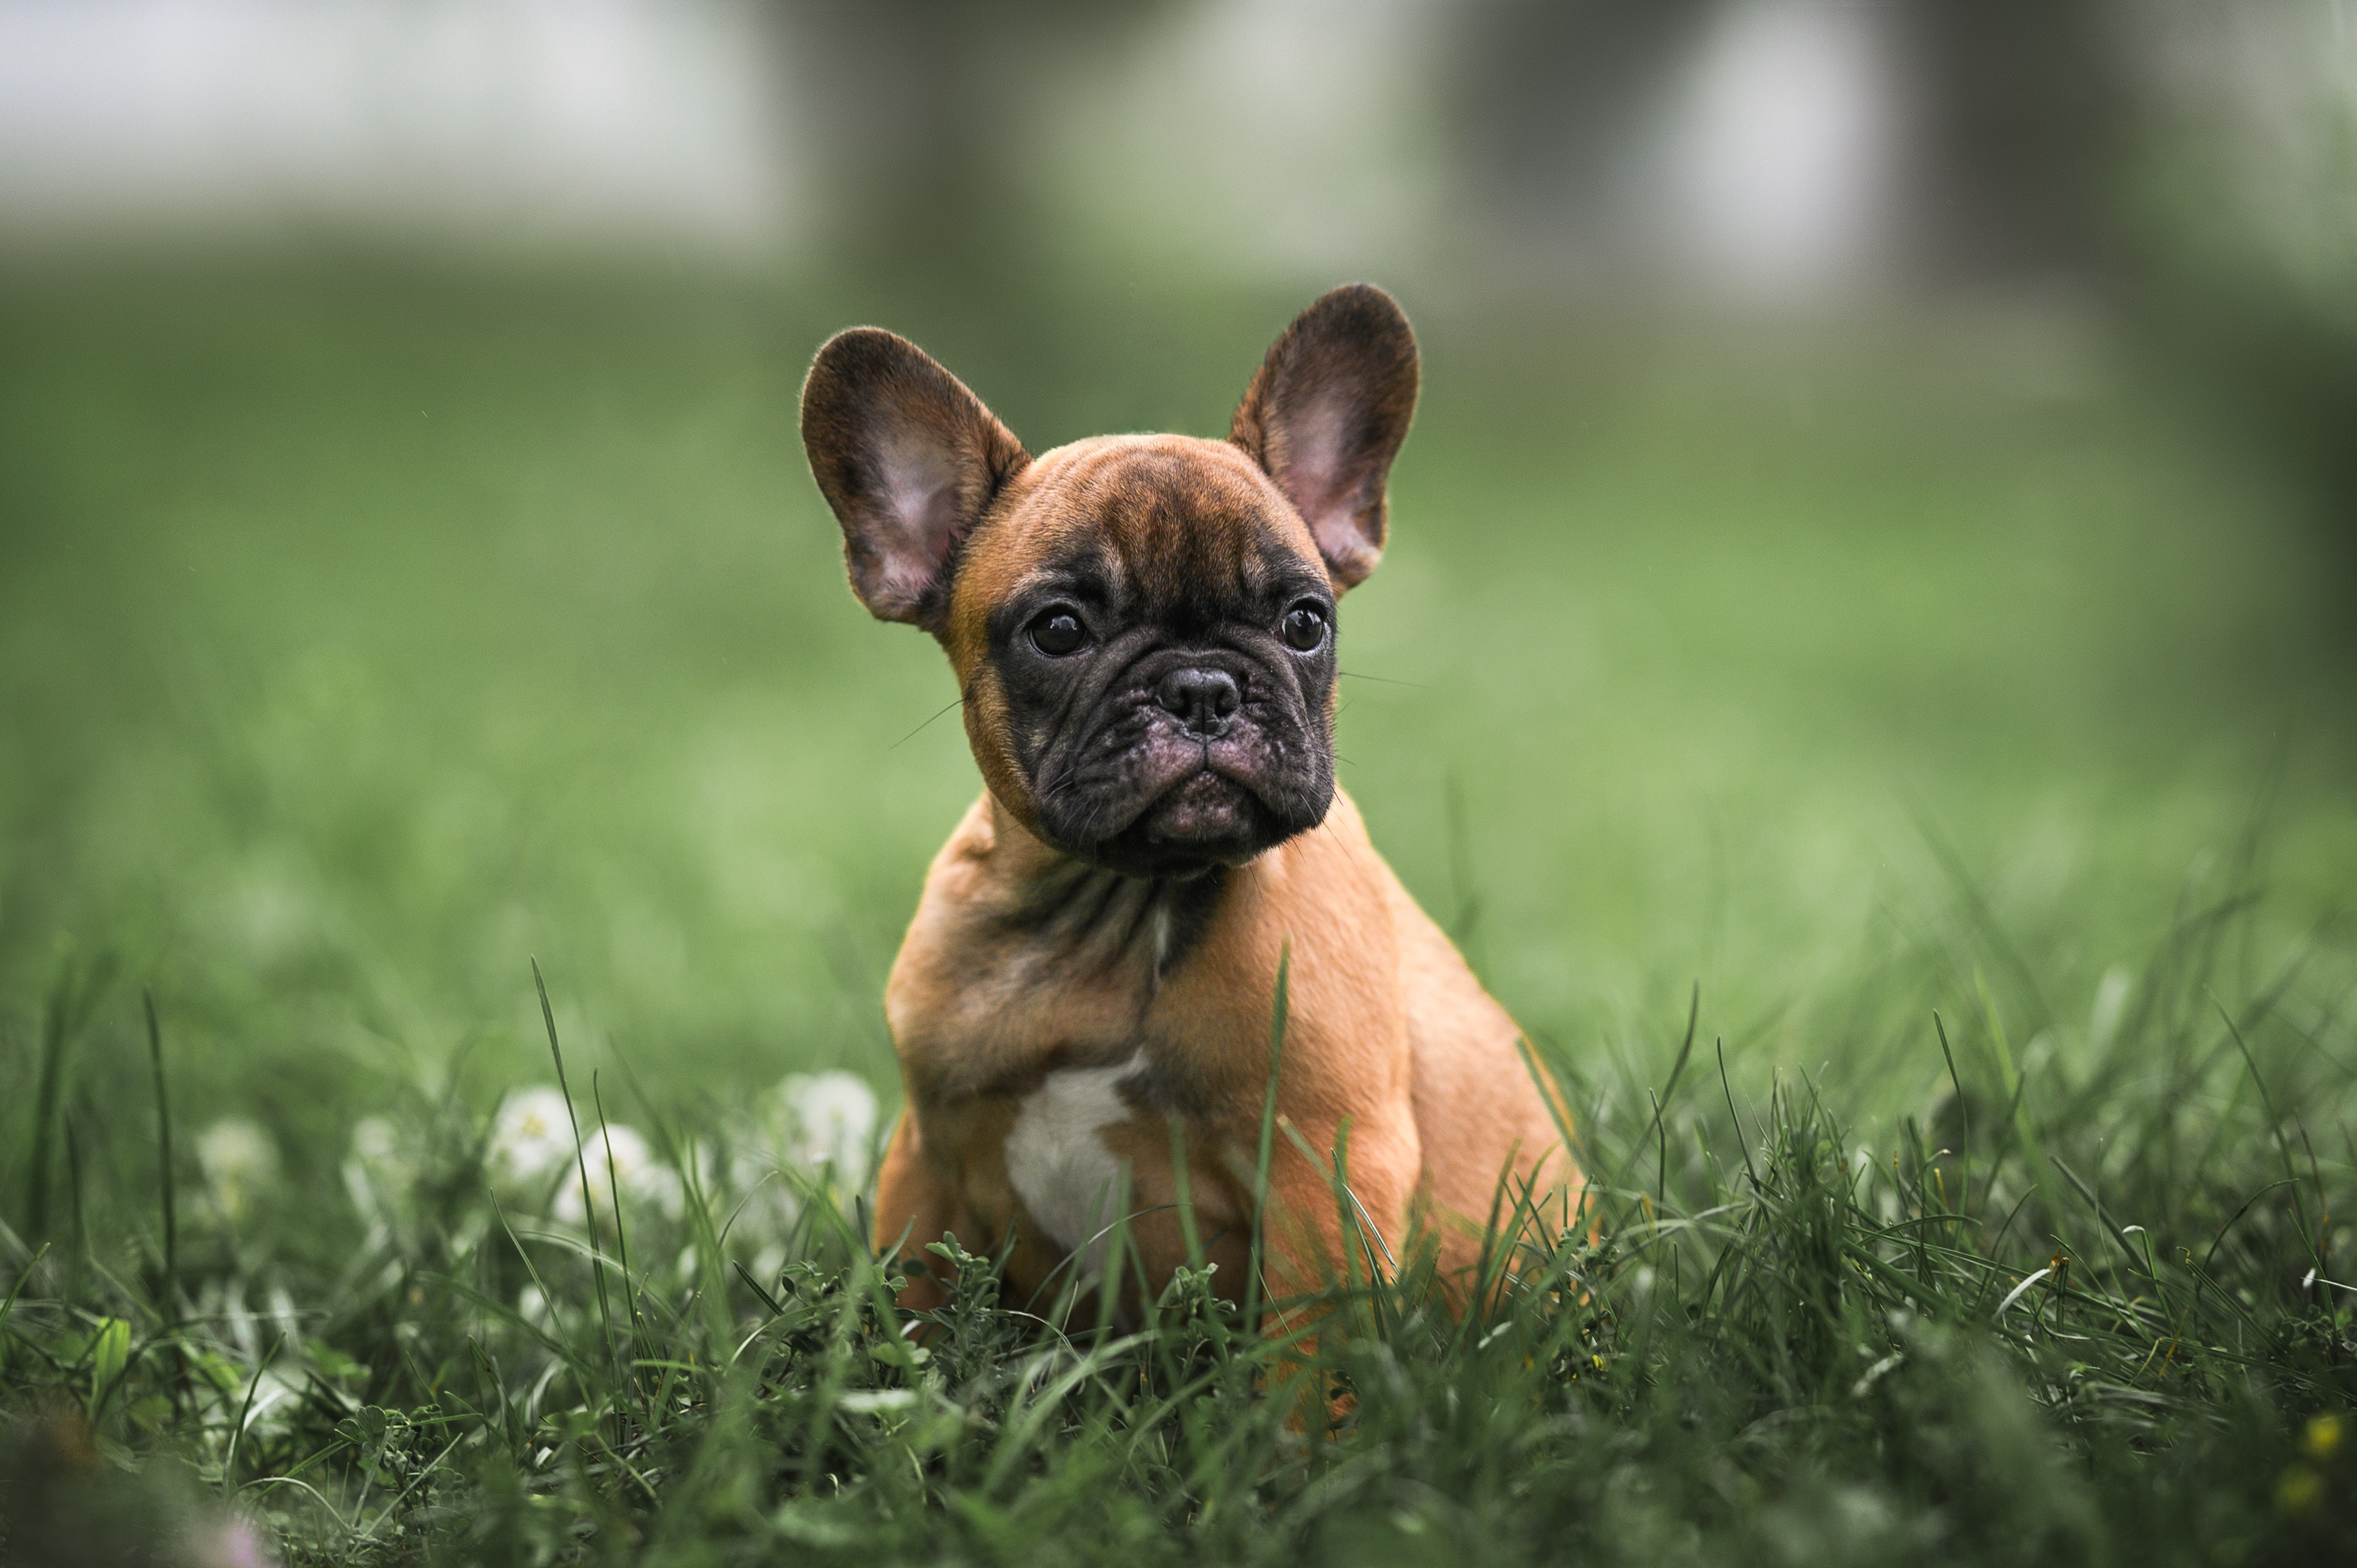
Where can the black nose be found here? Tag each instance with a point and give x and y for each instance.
(1203, 700)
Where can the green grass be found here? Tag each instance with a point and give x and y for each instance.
(365, 634)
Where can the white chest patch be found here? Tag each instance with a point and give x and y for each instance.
(1056, 1161)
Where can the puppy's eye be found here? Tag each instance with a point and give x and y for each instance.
(1303, 628)
(1058, 633)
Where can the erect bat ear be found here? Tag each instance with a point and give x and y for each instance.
(1325, 415)
(909, 459)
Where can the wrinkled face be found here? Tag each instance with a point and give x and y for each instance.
(1142, 626)
(1144, 633)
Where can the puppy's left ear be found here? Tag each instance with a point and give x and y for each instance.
(1325, 416)
(909, 459)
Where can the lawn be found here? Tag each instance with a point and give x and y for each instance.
(1758, 708)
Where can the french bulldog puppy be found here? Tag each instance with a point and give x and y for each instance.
(1143, 630)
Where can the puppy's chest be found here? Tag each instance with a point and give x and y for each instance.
(1059, 1153)
(1053, 1041)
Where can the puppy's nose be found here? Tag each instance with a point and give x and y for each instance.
(1203, 700)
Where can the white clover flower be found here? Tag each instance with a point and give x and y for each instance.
(533, 1132)
(618, 1154)
(229, 1544)
(763, 1204)
(829, 1120)
(375, 1143)
(378, 1170)
(239, 1160)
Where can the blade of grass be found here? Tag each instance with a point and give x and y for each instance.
(2025, 1126)
(81, 1255)
(1113, 1253)
(1268, 1148)
(164, 1158)
(1467, 913)
(1184, 1191)
(2110, 1228)
(1740, 1142)
(245, 1413)
(2274, 1131)
(581, 1164)
(768, 1303)
(1963, 1109)
(1660, 1106)
(55, 1036)
(1557, 1112)
(638, 1343)
(18, 1289)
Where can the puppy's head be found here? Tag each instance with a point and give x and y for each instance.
(1143, 627)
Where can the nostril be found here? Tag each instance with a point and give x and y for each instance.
(1202, 700)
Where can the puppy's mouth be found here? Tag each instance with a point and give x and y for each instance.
(1205, 810)
(1203, 817)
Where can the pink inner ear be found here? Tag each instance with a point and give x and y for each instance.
(1322, 486)
(920, 504)
(1313, 461)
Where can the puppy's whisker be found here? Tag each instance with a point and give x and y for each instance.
(922, 727)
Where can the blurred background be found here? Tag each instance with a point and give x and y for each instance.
(1882, 518)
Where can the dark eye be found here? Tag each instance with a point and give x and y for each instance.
(1303, 627)
(1058, 633)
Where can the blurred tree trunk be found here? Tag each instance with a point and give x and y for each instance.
(2024, 121)
(1546, 96)
(2047, 132)
(921, 122)
(2014, 109)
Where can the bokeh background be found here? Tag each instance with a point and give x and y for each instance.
(1881, 522)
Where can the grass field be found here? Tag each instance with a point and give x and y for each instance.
(366, 634)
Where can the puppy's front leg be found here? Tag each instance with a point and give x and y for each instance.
(913, 1207)
(1307, 1241)
(1332, 1220)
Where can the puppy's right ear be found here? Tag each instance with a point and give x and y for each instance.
(909, 459)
